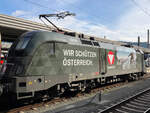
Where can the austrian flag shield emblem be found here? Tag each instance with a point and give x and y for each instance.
(110, 57)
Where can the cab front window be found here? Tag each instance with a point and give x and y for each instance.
(22, 43)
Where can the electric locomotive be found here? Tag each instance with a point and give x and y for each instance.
(43, 63)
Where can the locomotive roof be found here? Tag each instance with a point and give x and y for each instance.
(38, 37)
(43, 36)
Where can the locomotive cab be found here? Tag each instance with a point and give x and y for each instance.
(15, 64)
(17, 75)
(16, 55)
(18, 59)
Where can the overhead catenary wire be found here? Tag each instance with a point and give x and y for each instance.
(141, 8)
(42, 6)
(39, 5)
(81, 9)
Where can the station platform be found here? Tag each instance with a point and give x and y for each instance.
(108, 98)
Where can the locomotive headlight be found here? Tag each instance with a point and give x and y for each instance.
(30, 83)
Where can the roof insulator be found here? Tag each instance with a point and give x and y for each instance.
(92, 38)
(82, 35)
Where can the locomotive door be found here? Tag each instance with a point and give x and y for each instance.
(142, 61)
(102, 61)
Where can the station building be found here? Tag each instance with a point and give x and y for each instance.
(11, 28)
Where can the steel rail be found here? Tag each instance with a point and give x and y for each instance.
(115, 106)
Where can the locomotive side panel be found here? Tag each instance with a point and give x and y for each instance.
(123, 61)
(139, 63)
(62, 63)
(102, 61)
(46, 62)
(111, 62)
(79, 62)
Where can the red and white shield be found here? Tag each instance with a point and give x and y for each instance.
(110, 57)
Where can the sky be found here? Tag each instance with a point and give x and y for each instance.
(120, 20)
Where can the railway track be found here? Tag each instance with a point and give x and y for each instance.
(58, 102)
(139, 103)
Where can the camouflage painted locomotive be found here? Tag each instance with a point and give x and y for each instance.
(48, 63)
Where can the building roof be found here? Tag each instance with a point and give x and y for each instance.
(12, 27)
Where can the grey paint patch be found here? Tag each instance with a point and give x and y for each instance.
(70, 106)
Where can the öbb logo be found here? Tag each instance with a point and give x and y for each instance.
(110, 57)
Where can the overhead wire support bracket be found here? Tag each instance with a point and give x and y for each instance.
(60, 15)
